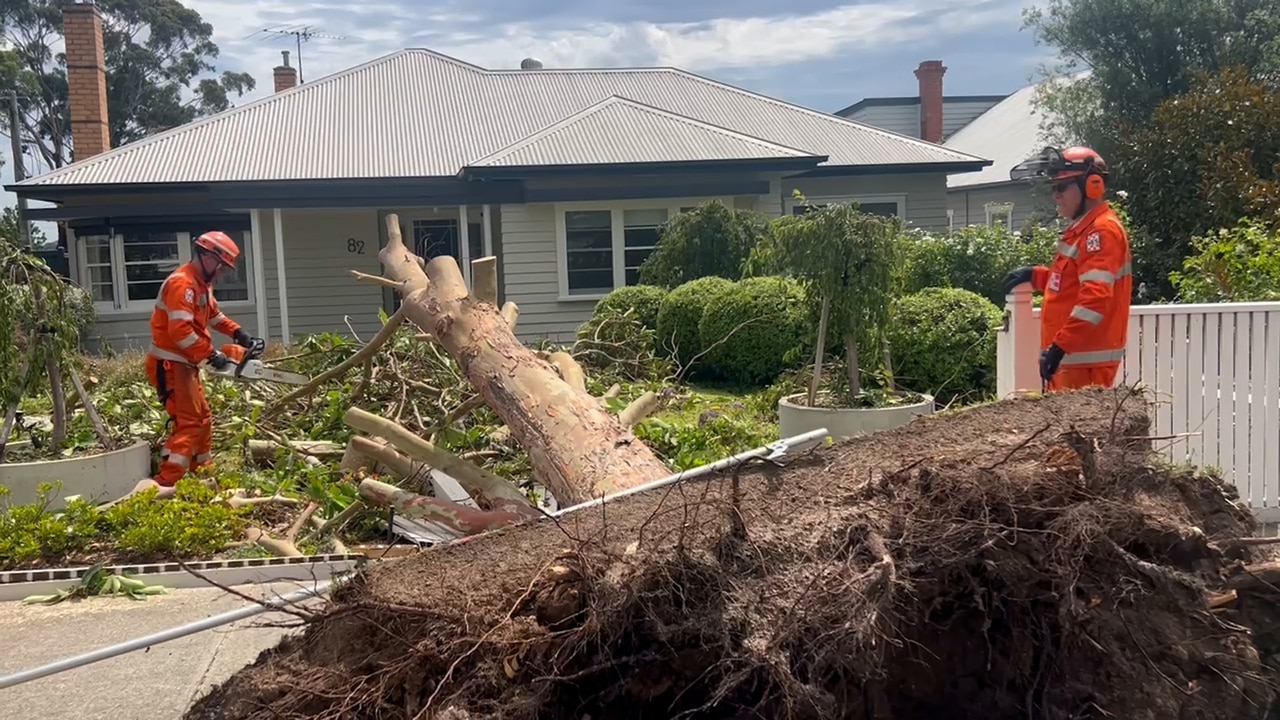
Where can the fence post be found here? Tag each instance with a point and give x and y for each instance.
(1018, 345)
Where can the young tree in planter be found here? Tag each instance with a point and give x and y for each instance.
(850, 260)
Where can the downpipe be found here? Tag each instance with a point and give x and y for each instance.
(779, 448)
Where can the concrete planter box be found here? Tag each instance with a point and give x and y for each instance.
(100, 477)
(795, 417)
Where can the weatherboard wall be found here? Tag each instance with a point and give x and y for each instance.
(904, 118)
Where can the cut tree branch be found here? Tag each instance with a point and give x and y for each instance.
(639, 409)
(484, 279)
(577, 449)
(487, 489)
(459, 518)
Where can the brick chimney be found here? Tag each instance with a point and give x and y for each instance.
(930, 75)
(86, 79)
(286, 76)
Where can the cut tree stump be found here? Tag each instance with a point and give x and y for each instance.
(578, 450)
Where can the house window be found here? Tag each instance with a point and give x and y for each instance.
(640, 237)
(601, 246)
(999, 214)
(123, 272)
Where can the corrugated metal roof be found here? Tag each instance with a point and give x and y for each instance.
(417, 113)
(1006, 134)
(619, 130)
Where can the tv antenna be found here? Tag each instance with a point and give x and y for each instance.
(299, 35)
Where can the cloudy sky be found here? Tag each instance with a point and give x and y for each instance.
(827, 55)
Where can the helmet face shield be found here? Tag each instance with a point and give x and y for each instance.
(1050, 164)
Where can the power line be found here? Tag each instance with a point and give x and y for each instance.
(299, 35)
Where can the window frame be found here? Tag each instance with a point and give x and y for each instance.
(791, 203)
(121, 306)
(992, 208)
(617, 248)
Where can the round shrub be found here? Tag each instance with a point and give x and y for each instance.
(943, 342)
(642, 300)
(765, 321)
(680, 313)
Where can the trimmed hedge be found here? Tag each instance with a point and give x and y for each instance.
(943, 342)
(642, 300)
(680, 315)
(774, 337)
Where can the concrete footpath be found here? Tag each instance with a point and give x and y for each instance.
(156, 682)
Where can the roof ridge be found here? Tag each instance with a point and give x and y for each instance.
(125, 150)
(621, 100)
(815, 113)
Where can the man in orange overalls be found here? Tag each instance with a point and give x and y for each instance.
(180, 341)
(1084, 321)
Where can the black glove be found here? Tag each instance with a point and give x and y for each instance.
(1016, 278)
(243, 339)
(1049, 361)
(218, 360)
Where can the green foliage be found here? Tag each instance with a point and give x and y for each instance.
(140, 528)
(41, 317)
(846, 257)
(1235, 264)
(680, 317)
(1205, 160)
(756, 329)
(944, 343)
(704, 427)
(974, 258)
(159, 67)
(710, 240)
(1140, 52)
(11, 234)
(642, 300)
(619, 341)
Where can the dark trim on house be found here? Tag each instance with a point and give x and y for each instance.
(586, 193)
(914, 100)
(77, 212)
(990, 185)
(521, 172)
(895, 169)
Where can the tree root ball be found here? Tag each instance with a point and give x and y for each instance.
(1024, 559)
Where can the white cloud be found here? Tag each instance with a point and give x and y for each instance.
(713, 44)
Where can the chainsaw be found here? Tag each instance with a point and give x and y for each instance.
(247, 365)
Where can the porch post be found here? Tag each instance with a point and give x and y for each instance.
(280, 273)
(464, 244)
(259, 273)
(1018, 346)
(486, 231)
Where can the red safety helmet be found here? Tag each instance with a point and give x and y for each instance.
(221, 246)
(1058, 165)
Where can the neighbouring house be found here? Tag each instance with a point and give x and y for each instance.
(563, 174)
(1003, 128)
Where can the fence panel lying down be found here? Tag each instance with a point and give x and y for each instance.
(1214, 371)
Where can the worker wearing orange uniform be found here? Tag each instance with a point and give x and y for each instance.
(180, 342)
(1088, 287)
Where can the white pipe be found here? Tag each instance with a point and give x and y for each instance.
(285, 336)
(162, 636)
(259, 273)
(320, 588)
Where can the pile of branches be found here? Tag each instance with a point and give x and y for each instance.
(1027, 558)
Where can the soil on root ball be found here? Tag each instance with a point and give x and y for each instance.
(1025, 559)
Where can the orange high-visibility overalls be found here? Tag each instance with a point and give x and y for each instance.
(180, 340)
(1087, 293)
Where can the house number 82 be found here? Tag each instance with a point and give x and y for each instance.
(355, 247)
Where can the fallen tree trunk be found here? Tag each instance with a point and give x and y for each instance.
(578, 450)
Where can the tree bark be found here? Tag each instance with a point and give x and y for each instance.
(458, 518)
(578, 450)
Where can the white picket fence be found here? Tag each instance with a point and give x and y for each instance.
(1213, 371)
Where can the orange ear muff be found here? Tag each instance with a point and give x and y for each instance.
(1094, 187)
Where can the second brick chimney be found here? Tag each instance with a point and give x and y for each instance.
(286, 75)
(930, 75)
(86, 79)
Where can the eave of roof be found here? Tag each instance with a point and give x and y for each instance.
(915, 100)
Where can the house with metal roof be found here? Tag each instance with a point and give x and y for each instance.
(1005, 129)
(565, 175)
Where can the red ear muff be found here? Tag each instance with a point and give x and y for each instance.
(1094, 187)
